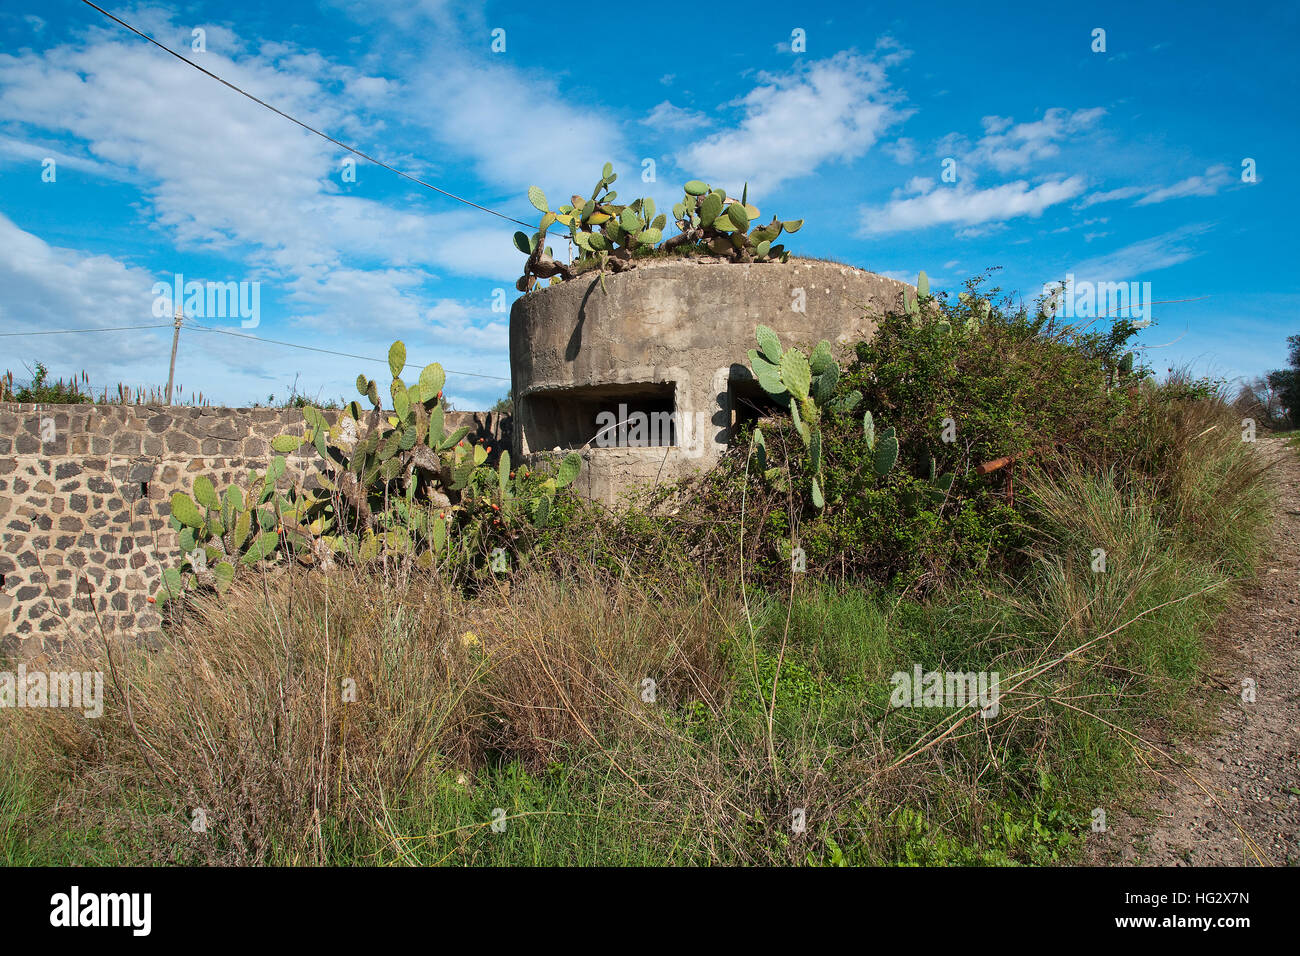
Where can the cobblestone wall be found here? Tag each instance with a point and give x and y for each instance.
(85, 496)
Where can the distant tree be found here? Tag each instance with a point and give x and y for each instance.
(1286, 382)
(1258, 400)
(505, 405)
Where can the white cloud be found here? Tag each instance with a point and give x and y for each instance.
(791, 123)
(666, 116)
(1123, 192)
(517, 128)
(19, 150)
(984, 229)
(1215, 178)
(410, 14)
(1137, 259)
(219, 170)
(1007, 146)
(966, 206)
(49, 288)
(469, 323)
(902, 151)
(1004, 146)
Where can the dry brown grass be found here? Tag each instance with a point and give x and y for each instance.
(241, 713)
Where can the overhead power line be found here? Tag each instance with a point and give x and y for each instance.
(191, 324)
(310, 129)
(312, 348)
(119, 328)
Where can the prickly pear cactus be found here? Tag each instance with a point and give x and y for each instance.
(218, 533)
(805, 385)
(610, 236)
(390, 482)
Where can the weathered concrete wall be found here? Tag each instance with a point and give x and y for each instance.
(576, 349)
(85, 496)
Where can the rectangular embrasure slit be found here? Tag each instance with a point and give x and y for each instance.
(632, 415)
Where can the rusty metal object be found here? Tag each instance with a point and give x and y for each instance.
(996, 464)
(989, 467)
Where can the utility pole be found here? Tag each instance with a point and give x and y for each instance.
(176, 337)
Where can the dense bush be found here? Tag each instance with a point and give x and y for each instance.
(960, 391)
(969, 382)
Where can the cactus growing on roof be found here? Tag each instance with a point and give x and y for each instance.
(610, 236)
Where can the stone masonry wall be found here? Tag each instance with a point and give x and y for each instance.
(85, 495)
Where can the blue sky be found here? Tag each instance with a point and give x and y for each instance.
(1118, 166)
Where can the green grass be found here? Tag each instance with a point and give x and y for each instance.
(841, 648)
(33, 830)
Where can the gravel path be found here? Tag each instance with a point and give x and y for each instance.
(1250, 765)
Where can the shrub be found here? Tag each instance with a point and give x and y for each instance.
(1286, 382)
(40, 390)
(950, 385)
